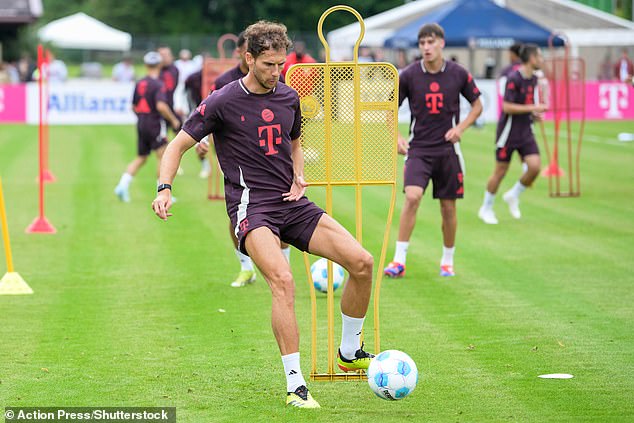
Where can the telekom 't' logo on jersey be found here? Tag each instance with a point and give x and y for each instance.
(271, 133)
(434, 99)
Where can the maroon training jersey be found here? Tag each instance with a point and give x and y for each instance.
(516, 129)
(252, 135)
(434, 101)
(169, 76)
(504, 73)
(147, 93)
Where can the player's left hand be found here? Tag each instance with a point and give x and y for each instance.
(453, 135)
(538, 116)
(297, 189)
(202, 148)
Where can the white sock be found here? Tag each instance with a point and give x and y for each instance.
(447, 256)
(294, 377)
(517, 189)
(287, 253)
(125, 180)
(204, 164)
(350, 335)
(489, 199)
(400, 254)
(524, 167)
(245, 261)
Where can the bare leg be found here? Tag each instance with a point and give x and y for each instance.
(334, 242)
(264, 248)
(449, 221)
(413, 196)
(498, 174)
(533, 164)
(135, 165)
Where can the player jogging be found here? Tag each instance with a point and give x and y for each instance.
(514, 133)
(152, 110)
(256, 122)
(433, 86)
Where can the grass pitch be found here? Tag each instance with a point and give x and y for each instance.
(126, 310)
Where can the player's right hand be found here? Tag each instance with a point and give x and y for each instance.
(162, 204)
(402, 145)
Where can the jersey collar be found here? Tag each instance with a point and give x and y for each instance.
(442, 68)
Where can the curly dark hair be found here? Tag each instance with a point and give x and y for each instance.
(265, 35)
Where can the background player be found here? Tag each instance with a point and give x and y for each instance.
(256, 122)
(150, 106)
(514, 133)
(433, 86)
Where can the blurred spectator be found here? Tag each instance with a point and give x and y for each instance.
(5, 76)
(124, 70)
(185, 65)
(605, 69)
(298, 55)
(57, 71)
(26, 67)
(624, 68)
(401, 59)
(365, 54)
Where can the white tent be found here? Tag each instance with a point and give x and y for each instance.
(80, 31)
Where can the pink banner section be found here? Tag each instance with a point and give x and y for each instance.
(13, 103)
(609, 100)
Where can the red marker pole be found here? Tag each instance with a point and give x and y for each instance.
(48, 175)
(41, 224)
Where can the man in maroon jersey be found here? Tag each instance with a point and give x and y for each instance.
(150, 106)
(433, 86)
(247, 273)
(514, 133)
(169, 74)
(256, 122)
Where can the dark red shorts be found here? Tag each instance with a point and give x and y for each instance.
(524, 149)
(445, 172)
(149, 140)
(293, 222)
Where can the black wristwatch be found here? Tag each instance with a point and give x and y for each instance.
(163, 186)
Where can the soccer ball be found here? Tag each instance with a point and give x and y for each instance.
(392, 375)
(319, 271)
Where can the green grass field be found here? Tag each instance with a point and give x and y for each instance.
(126, 307)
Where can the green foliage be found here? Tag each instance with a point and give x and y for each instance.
(212, 17)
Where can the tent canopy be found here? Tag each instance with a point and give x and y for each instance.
(474, 23)
(80, 31)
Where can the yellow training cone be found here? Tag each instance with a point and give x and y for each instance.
(11, 283)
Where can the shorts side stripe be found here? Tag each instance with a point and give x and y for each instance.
(244, 203)
(504, 136)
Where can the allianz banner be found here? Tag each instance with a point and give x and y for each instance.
(84, 102)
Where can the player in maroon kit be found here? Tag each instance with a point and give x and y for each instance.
(514, 133)
(433, 86)
(256, 122)
(150, 106)
(247, 273)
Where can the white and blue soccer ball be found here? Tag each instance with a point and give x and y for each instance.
(319, 272)
(392, 375)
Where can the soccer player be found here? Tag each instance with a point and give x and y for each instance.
(256, 122)
(169, 74)
(150, 106)
(514, 133)
(514, 59)
(433, 86)
(247, 273)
